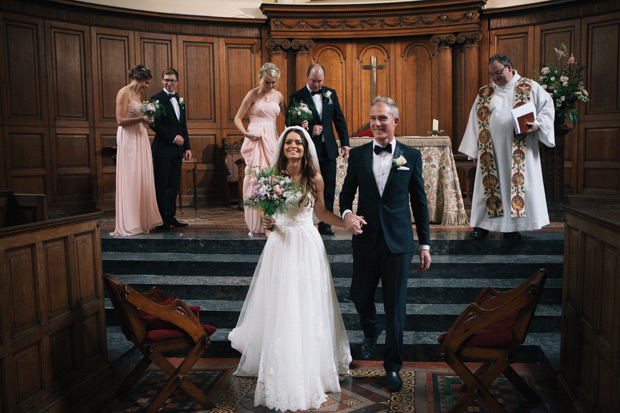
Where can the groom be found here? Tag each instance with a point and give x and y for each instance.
(170, 146)
(389, 176)
(323, 102)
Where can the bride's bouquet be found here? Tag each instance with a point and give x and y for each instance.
(272, 192)
(298, 112)
(152, 108)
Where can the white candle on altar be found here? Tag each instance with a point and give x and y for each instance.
(435, 125)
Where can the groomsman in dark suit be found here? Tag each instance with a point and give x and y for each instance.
(327, 113)
(170, 146)
(389, 176)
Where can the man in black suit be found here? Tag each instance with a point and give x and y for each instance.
(389, 176)
(170, 146)
(327, 112)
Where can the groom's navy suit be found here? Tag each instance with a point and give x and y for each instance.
(326, 146)
(385, 248)
(168, 157)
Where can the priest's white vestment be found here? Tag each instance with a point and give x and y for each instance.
(502, 132)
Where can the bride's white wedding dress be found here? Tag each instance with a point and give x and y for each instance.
(290, 331)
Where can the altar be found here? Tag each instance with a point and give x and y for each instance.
(441, 181)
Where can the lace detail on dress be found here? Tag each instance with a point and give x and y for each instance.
(296, 217)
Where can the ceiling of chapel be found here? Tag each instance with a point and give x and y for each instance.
(250, 9)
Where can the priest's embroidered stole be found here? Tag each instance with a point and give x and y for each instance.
(488, 166)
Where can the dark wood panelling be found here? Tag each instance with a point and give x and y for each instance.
(549, 37)
(23, 285)
(416, 82)
(198, 78)
(29, 367)
(27, 160)
(206, 150)
(69, 97)
(24, 71)
(156, 51)
(87, 265)
(53, 326)
(600, 157)
(603, 76)
(239, 73)
(112, 59)
(61, 348)
(516, 43)
(58, 277)
(589, 369)
(73, 174)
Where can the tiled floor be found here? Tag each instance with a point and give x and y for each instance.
(232, 219)
(362, 391)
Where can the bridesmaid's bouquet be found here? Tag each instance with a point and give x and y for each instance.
(152, 108)
(272, 192)
(298, 112)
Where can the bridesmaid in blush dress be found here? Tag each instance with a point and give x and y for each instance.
(136, 204)
(263, 104)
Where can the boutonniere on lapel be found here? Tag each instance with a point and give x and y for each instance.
(399, 163)
(327, 96)
(182, 102)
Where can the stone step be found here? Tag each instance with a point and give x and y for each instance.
(417, 346)
(420, 317)
(223, 242)
(451, 266)
(419, 290)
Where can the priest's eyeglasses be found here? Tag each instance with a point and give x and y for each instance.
(498, 73)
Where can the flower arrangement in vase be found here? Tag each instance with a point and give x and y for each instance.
(564, 83)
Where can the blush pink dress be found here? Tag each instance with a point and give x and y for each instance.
(263, 115)
(136, 204)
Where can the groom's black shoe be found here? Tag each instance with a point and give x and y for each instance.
(369, 345)
(173, 222)
(394, 382)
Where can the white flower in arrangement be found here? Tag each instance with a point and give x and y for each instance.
(327, 95)
(398, 162)
(181, 101)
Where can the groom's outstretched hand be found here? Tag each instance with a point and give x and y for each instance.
(353, 223)
(425, 260)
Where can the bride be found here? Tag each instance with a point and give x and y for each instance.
(290, 331)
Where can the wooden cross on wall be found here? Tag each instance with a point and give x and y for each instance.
(373, 66)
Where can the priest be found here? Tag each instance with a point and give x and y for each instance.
(509, 194)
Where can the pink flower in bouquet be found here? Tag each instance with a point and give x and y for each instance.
(278, 190)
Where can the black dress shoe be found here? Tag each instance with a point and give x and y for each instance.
(478, 233)
(394, 382)
(512, 235)
(163, 227)
(369, 345)
(173, 221)
(326, 231)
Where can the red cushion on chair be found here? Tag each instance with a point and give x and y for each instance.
(498, 335)
(154, 336)
(154, 323)
(365, 133)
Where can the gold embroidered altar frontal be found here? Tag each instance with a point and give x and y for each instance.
(441, 181)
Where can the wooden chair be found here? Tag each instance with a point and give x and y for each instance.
(492, 329)
(156, 324)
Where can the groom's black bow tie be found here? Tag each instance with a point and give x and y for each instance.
(173, 95)
(379, 149)
(315, 92)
